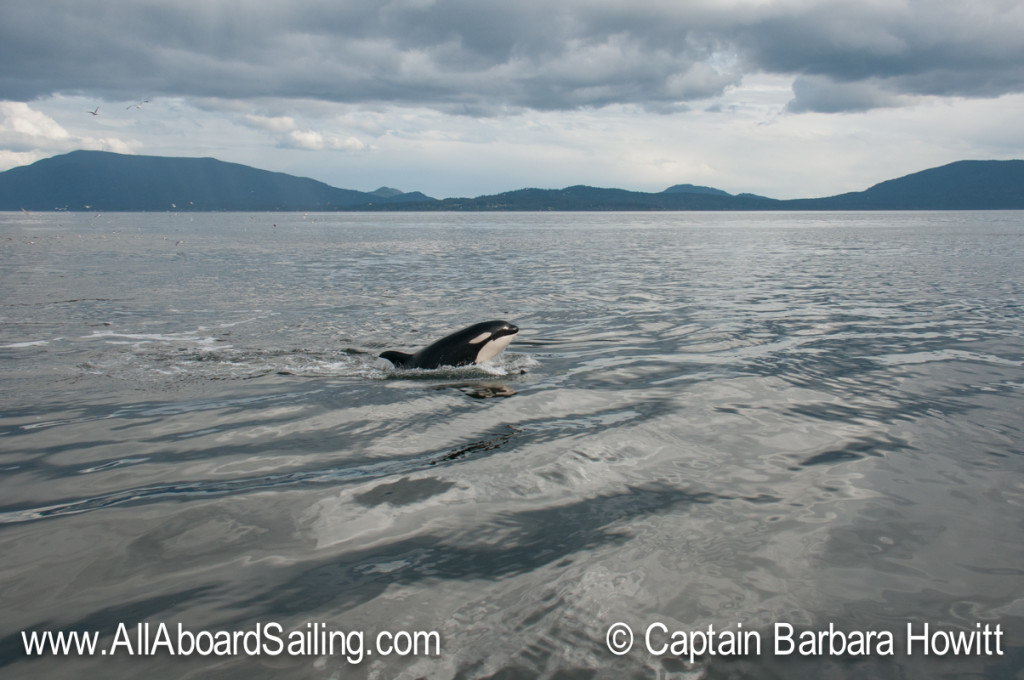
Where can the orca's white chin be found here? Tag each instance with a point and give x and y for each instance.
(493, 348)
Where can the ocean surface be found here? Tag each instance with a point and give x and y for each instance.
(710, 427)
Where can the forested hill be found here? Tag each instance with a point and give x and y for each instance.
(98, 180)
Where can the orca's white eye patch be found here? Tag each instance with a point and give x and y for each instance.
(480, 338)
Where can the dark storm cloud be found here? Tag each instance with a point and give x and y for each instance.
(819, 94)
(482, 56)
(856, 56)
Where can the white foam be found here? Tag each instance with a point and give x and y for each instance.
(492, 369)
(30, 343)
(145, 337)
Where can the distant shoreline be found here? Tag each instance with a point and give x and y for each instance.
(85, 181)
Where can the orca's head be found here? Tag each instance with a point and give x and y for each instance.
(491, 338)
(399, 359)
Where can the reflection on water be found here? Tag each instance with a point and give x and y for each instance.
(706, 420)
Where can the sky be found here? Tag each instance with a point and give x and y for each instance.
(782, 98)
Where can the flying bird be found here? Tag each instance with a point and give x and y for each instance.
(95, 111)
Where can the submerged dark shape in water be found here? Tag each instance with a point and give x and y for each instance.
(474, 345)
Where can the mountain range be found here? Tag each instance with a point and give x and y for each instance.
(104, 181)
(99, 180)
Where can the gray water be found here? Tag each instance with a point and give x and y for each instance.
(725, 420)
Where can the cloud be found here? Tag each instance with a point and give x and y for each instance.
(872, 53)
(488, 57)
(311, 140)
(22, 128)
(275, 124)
(289, 135)
(26, 135)
(821, 95)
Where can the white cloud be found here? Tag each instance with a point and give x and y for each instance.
(23, 129)
(13, 159)
(290, 135)
(277, 124)
(317, 141)
(27, 135)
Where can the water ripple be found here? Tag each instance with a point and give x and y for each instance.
(244, 485)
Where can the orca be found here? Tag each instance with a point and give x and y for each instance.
(479, 343)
